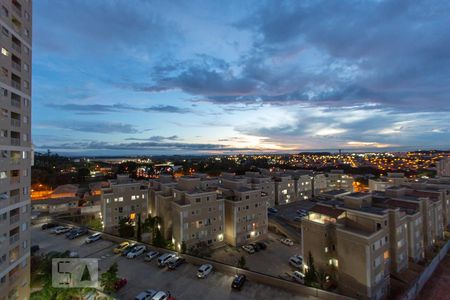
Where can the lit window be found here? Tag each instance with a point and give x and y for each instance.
(5, 52)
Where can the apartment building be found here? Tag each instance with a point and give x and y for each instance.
(198, 213)
(443, 167)
(350, 242)
(337, 179)
(256, 180)
(319, 183)
(384, 182)
(123, 198)
(16, 148)
(190, 209)
(245, 211)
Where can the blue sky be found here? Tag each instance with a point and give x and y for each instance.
(175, 77)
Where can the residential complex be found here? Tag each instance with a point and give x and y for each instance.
(123, 198)
(384, 182)
(362, 238)
(16, 148)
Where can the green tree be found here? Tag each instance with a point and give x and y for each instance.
(311, 274)
(109, 278)
(241, 263)
(83, 173)
(95, 224)
(158, 239)
(139, 229)
(321, 278)
(183, 247)
(126, 230)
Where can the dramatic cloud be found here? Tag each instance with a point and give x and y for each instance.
(256, 75)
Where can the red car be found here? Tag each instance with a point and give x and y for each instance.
(120, 283)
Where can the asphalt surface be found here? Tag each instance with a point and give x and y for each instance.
(141, 275)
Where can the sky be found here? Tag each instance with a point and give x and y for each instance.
(198, 77)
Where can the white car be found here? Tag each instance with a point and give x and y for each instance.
(62, 229)
(93, 238)
(146, 295)
(299, 277)
(161, 295)
(287, 242)
(53, 230)
(296, 261)
(151, 255)
(204, 270)
(249, 249)
(138, 250)
(164, 259)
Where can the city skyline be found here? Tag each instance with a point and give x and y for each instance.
(149, 77)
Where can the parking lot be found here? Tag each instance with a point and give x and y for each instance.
(288, 211)
(182, 283)
(272, 261)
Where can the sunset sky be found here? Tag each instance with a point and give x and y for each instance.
(176, 77)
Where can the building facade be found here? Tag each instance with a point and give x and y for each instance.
(123, 198)
(16, 148)
(443, 167)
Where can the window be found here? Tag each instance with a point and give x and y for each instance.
(5, 12)
(120, 209)
(5, 52)
(25, 67)
(5, 72)
(4, 92)
(5, 31)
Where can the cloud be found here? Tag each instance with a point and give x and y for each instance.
(155, 138)
(118, 107)
(92, 126)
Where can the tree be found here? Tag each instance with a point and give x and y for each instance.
(158, 239)
(183, 247)
(83, 173)
(95, 224)
(126, 230)
(321, 278)
(139, 229)
(241, 263)
(310, 275)
(109, 279)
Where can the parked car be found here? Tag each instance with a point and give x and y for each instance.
(272, 210)
(48, 226)
(298, 276)
(161, 295)
(175, 262)
(238, 281)
(248, 249)
(122, 246)
(92, 238)
(204, 270)
(151, 255)
(302, 212)
(53, 230)
(73, 254)
(146, 295)
(298, 218)
(120, 283)
(261, 245)
(79, 232)
(129, 249)
(164, 259)
(71, 231)
(296, 261)
(34, 249)
(136, 251)
(287, 242)
(254, 246)
(61, 230)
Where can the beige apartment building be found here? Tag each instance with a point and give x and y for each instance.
(264, 183)
(16, 147)
(351, 244)
(319, 184)
(245, 211)
(198, 212)
(384, 182)
(123, 198)
(337, 180)
(190, 209)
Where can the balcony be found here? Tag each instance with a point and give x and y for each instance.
(14, 238)
(16, 66)
(17, 47)
(17, 8)
(14, 219)
(15, 103)
(14, 199)
(14, 180)
(15, 142)
(15, 84)
(15, 122)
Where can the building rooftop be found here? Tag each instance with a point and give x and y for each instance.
(326, 210)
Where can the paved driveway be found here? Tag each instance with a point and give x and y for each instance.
(142, 275)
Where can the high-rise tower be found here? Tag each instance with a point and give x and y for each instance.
(15, 148)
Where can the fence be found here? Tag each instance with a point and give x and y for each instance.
(417, 286)
(261, 278)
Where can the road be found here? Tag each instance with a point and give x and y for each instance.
(141, 275)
